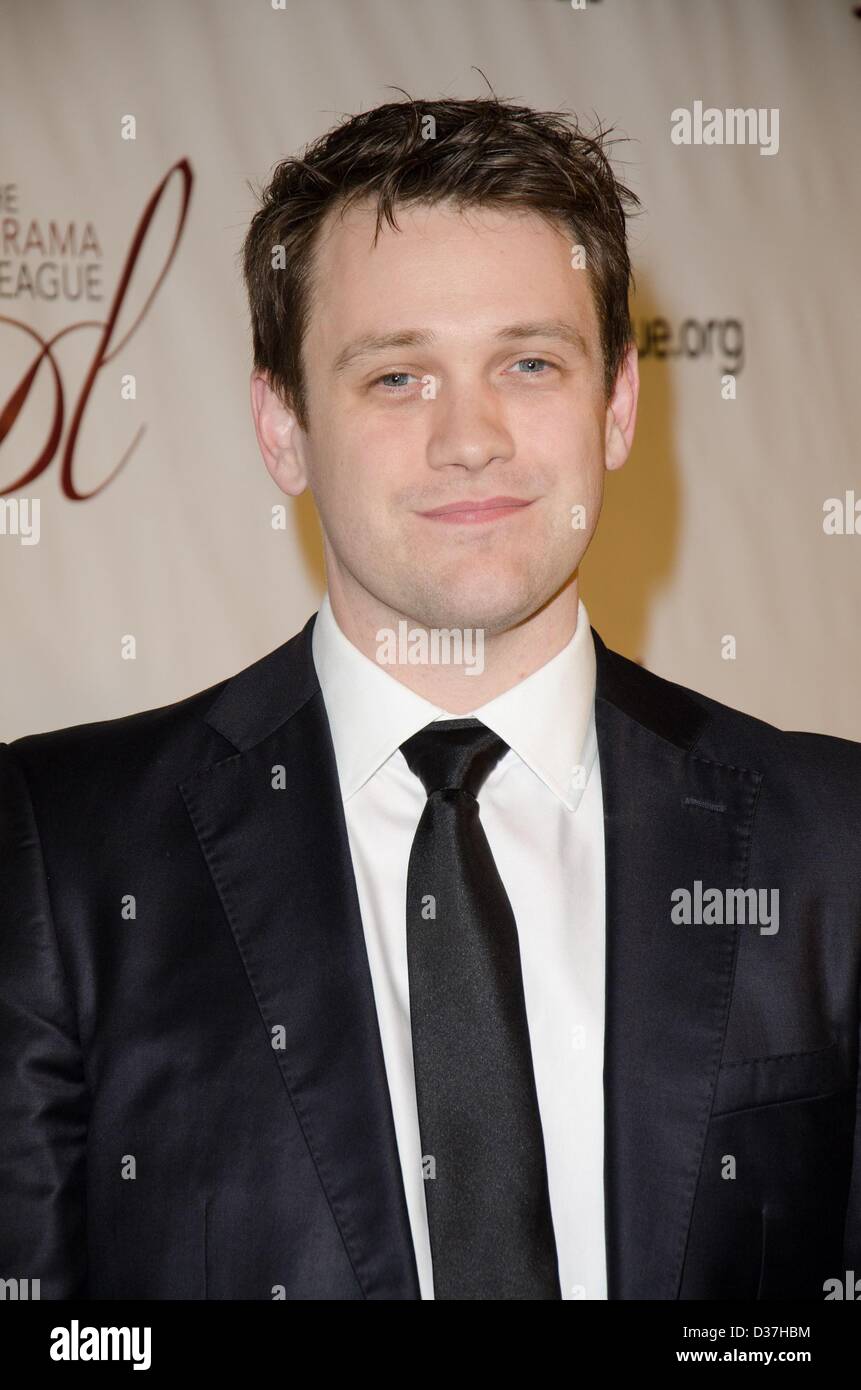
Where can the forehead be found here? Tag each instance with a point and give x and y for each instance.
(450, 268)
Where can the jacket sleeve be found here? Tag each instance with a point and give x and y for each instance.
(852, 1244)
(44, 1100)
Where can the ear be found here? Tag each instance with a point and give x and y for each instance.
(621, 416)
(279, 435)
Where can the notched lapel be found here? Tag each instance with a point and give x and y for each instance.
(281, 863)
(670, 817)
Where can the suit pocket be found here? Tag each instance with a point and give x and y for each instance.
(793, 1076)
(771, 1200)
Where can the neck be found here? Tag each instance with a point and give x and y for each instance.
(488, 667)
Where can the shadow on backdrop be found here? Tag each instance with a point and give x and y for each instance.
(633, 552)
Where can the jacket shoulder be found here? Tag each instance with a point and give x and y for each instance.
(165, 743)
(719, 731)
(78, 745)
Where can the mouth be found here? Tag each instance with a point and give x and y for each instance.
(471, 512)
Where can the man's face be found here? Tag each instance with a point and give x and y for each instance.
(481, 407)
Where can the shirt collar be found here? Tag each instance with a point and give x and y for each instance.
(547, 718)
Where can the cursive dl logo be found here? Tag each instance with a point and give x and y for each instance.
(105, 352)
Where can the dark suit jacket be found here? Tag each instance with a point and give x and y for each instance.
(144, 1044)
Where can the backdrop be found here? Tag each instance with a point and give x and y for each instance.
(135, 504)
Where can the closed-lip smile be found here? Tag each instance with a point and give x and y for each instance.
(485, 509)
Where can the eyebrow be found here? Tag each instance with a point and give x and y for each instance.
(370, 343)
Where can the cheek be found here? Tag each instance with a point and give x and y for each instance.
(574, 503)
(356, 495)
(342, 474)
(565, 434)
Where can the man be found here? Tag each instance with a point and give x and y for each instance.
(443, 952)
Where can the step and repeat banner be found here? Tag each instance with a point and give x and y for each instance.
(138, 557)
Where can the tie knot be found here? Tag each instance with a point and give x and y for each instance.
(456, 754)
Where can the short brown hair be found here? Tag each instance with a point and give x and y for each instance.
(485, 152)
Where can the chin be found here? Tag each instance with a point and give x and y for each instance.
(478, 610)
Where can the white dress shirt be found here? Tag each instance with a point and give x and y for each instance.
(542, 812)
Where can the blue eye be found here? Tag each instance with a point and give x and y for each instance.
(541, 360)
(387, 377)
(402, 378)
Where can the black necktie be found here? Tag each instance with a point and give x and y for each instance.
(486, 1191)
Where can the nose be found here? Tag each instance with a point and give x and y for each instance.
(468, 427)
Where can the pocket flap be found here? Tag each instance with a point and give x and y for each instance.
(791, 1076)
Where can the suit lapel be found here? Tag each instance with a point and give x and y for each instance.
(278, 852)
(281, 863)
(670, 817)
